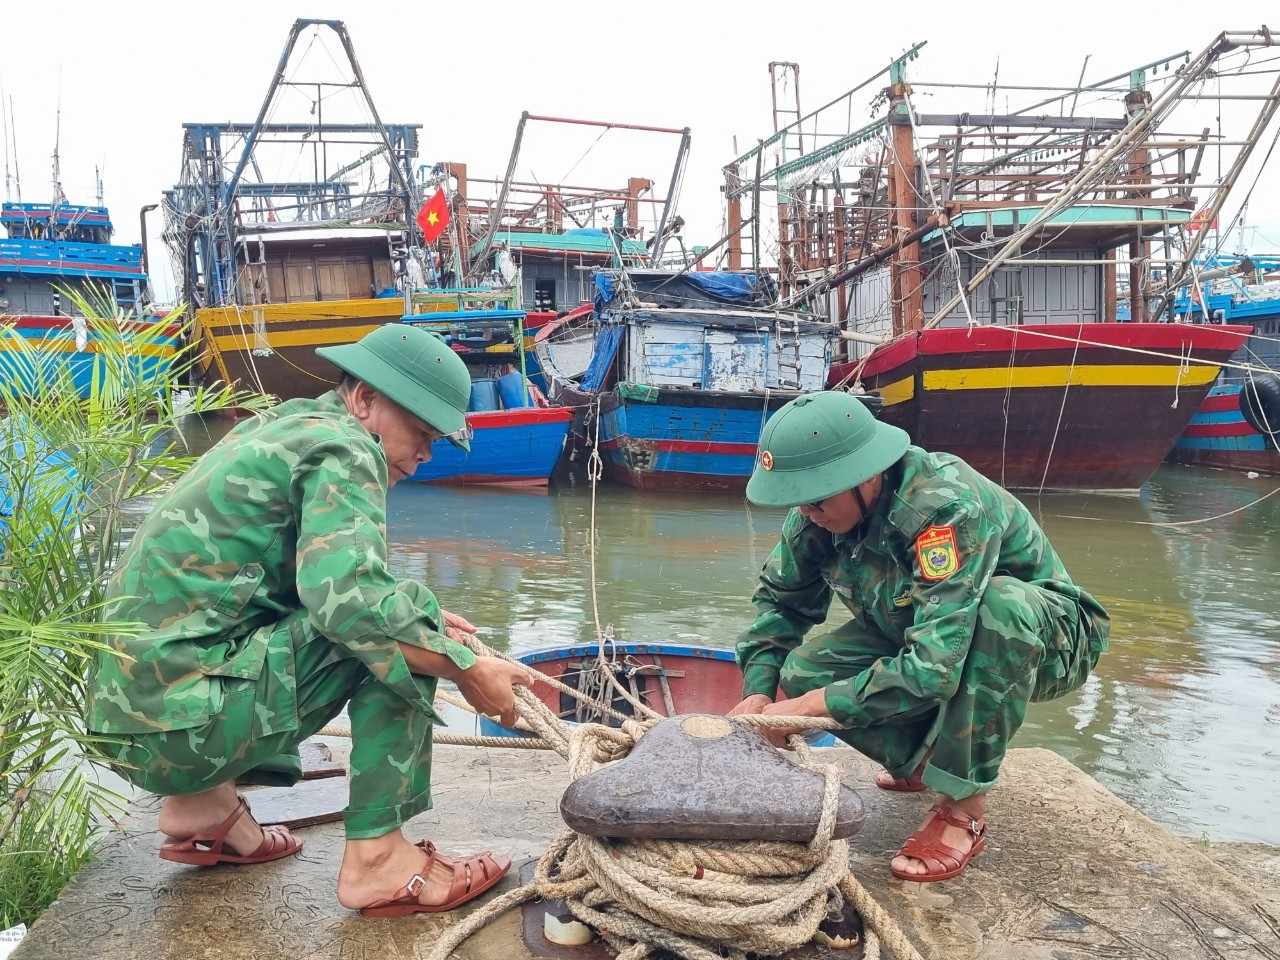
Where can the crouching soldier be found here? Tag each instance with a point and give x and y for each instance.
(960, 613)
(262, 577)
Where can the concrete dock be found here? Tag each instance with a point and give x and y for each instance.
(1070, 871)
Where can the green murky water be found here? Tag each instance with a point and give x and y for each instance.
(1182, 717)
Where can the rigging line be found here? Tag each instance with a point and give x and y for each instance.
(1057, 427)
(1170, 523)
(590, 147)
(595, 470)
(1008, 393)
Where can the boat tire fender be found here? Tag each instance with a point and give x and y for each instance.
(1260, 403)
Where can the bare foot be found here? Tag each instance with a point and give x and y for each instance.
(958, 838)
(378, 868)
(193, 814)
(887, 781)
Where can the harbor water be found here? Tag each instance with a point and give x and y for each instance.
(1182, 717)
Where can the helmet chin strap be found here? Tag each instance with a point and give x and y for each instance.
(862, 503)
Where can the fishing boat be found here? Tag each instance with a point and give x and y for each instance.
(1237, 426)
(684, 371)
(517, 435)
(973, 259)
(274, 264)
(668, 678)
(54, 256)
(1054, 407)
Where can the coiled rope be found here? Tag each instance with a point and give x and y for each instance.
(692, 898)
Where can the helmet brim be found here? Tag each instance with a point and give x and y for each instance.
(434, 411)
(790, 488)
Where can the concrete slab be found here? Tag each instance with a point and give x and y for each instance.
(1070, 872)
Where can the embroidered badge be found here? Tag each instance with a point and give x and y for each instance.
(766, 459)
(937, 553)
(903, 601)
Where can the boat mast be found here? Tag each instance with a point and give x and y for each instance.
(204, 212)
(58, 196)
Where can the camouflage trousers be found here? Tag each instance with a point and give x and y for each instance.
(390, 776)
(1029, 644)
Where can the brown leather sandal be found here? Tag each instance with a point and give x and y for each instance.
(942, 862)
(472, 876)
(206, 849)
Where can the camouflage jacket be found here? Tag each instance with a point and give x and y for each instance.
(286, 513)
(915, 572)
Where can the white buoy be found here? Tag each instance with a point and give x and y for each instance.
(566, 932)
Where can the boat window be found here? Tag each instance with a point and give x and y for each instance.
(544, 293)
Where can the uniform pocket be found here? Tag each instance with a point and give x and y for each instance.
(240, 590)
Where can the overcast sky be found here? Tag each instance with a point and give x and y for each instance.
(131, 73)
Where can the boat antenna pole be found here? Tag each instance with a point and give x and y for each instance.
(58, 198)
(13, 133)
(4, 135)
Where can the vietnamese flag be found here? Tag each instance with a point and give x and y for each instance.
(434, 216)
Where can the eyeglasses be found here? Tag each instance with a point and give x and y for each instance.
(458, 437)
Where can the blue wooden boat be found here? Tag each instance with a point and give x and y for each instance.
(685, 369)
(669, 678)
(517, 436)
(49, 251)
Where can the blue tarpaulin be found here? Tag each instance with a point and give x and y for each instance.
(688, 290)
(607, 341)
(606, 287)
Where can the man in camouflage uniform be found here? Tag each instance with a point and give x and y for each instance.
(960, 613)
(263, 578)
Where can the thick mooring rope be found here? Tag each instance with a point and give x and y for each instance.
(691, 898)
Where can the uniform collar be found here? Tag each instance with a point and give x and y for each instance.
(332, 400)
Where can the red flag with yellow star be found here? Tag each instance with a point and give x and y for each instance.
(434, 216)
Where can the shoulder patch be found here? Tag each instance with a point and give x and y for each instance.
(937, 553)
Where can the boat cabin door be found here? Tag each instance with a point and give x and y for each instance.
(1005, 292)
(734, 361)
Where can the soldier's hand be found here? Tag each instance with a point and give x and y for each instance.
(752, 704)
(457, 628)
(489, 686)
(811, 704)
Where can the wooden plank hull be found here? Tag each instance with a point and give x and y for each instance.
(1056, 407)
(684, 439)
(151, 353)
(271, 347)
(1219, 436)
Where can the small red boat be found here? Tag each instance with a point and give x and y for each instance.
(669, 678)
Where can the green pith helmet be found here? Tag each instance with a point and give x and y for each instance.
(414, 368)
(818, 445)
